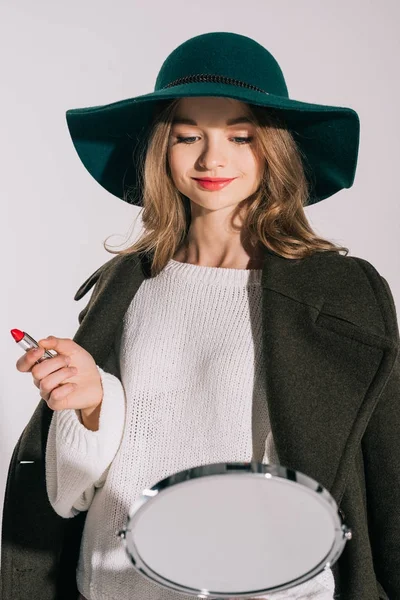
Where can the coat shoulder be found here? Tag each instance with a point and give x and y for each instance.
(354, 287)
(106, 271)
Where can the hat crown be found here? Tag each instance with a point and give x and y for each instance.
(223, 55)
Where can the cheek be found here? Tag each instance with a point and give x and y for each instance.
(250, 164)
(179, 162)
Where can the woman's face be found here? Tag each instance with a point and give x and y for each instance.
(213, 148)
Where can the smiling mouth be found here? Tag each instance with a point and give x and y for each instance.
(216, 180)
(213, 185)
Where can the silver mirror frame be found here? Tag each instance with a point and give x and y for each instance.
(342, 532)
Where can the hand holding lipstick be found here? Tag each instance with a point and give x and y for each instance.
(68, 380)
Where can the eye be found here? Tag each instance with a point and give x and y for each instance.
(184, 140)
(243, 140)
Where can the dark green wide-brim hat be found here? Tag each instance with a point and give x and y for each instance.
(108, 138)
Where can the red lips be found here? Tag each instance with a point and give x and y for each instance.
(214, 179)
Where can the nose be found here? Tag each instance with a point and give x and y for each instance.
(213, 155)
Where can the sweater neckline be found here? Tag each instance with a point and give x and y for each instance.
(212, 275)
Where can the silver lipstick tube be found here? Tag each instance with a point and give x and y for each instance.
(28, 342)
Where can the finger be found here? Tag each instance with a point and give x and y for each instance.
(25, 362)
(55, 379)
(60, 345)
(44, 368)
(52, 365)
(61, 397)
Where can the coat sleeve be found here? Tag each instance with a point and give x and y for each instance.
(381, 451)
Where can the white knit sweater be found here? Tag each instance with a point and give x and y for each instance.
(191, 386)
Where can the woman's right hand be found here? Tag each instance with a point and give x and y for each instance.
(69, 380)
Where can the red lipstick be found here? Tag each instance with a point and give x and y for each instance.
(213, 178)
(17, 334)
(215, 183)
(27, 342)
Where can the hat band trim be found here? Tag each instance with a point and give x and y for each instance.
(207, 77)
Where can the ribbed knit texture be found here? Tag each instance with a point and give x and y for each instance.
(192, 393)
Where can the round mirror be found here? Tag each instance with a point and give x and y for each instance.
(234, 529)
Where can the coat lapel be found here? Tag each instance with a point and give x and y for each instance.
(327, 358)
(325, 351)
(119, 280)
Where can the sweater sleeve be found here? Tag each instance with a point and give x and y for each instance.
(78, 459)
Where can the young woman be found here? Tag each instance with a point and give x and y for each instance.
(228, 332)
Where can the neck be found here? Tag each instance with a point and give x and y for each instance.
(229, 258)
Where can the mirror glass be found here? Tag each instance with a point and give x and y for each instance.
(235, 533)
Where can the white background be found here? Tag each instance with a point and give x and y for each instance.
(61, 55)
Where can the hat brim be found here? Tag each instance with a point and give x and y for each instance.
(106, 137)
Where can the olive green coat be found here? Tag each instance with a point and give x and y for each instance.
(332, 371)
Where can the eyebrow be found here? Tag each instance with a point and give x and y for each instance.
(186, 121)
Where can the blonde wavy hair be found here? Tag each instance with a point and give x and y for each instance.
(273, 216)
